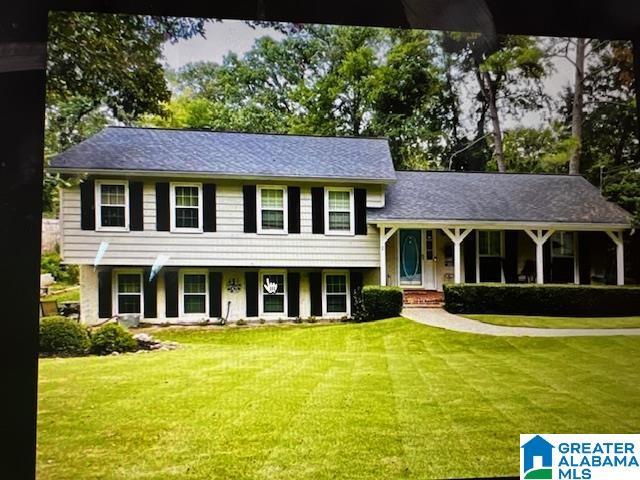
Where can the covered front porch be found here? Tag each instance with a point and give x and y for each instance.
(425, 256)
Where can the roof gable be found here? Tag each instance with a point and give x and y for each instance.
(497, 197)
(230, 154)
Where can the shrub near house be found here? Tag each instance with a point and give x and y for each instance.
(382, 302)
(565, 300)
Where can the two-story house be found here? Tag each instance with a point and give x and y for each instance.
(184, 225)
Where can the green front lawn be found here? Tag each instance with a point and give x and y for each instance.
(390, 399)
(558, 322)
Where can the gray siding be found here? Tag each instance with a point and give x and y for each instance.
(228, 246)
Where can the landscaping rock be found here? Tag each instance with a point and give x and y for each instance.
(147, 342)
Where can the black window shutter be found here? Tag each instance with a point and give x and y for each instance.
(162, 207)
(355, 282)
(510, 266)
(105, 310)
(171, 293)
(87, 205)
(215, 294)
(136, 219)
(251, 289)
(150, 289)
(293, 199)
(317, 209)
(469, 246)
(315, 289)
(293, 294)
(249, 199)
(584, 259)
(209, 207)
(360, 205)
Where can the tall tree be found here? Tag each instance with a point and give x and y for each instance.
(324, 80)
(509, 75)
(106, 66)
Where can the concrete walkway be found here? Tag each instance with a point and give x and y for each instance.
(438, 317)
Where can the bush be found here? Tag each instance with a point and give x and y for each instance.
(112, 338)
(553, 300)
(50, 263)
(381, 302)
(63, 337)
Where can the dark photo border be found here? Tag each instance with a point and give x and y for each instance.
(23, 34)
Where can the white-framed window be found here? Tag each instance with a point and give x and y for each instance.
(338, 211)
(273, 292)
(186, 207)
(112, 205)
(272, 209)
(562, 245)
(194, 293)
(490, 243)
(335, 293)
(128, 296)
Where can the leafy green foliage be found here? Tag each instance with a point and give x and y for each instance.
(51, 263)
(323, 80)
(542, 299)
(112, 338)
(103, 68)
(381, 302)
(62, 337)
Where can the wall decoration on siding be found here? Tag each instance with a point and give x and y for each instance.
(100, 253)
(233, 286)
(158, 263)
(270, 287)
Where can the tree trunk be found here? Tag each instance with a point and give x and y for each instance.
(490, 96)
(577, 113)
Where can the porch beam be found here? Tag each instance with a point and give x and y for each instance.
(539, 239)
(618, 240)
(457, 236)
(385, 235)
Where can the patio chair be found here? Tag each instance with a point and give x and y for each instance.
(49, 308)
(528, 273)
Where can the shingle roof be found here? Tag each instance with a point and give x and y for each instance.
(230, 153)
(496, 197)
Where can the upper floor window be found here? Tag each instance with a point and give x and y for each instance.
(562, 244)
(272, 209)
(186, 207)
(112, 209)
(272, 293)
(490, 243)
(339, 211)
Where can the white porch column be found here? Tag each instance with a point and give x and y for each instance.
(539, 239)
(618, 240)
(384, 236)
(457, 236)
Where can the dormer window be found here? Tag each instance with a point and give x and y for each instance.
(272, 209)
(186, 207)
(112, 205)
(339, 211)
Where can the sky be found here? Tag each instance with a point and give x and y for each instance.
(236, 36)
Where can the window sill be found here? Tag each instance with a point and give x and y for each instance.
(112, 229)
(186, 230)
(339, 233)
(272, 232)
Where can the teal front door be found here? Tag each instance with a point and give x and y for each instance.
(410, 257)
